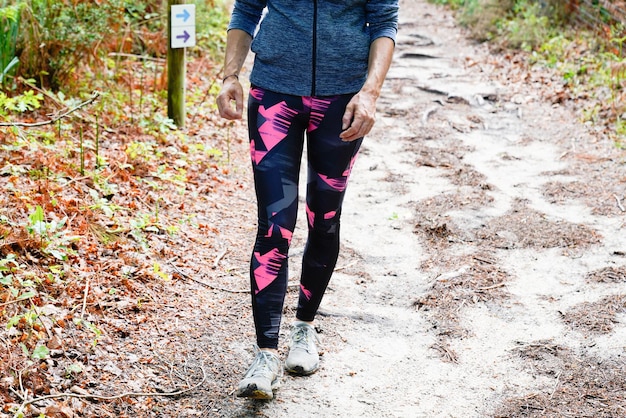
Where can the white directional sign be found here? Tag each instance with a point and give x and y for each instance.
(183, 22)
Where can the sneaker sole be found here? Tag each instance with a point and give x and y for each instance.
(252, 392)
(299, 370)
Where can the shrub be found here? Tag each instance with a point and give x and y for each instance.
(56, 37)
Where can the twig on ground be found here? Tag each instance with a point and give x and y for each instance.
(12, 301)
(495, 286)
(56, 118)
(484, 260)
(85, 294)
(75, 179)
(556, 385)
(42, 91)
(43, 324)
(619, 203)
(203, 283)
(219, 257)
(27, 402)
(427, 114)
(446, 353)
(223, 289)
(346, 266)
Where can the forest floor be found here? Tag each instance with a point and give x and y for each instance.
(482, 273)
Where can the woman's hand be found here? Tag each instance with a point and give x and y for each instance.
(359, 116)
(230, 99)
(360, 113)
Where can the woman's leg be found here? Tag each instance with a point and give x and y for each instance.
(276, 127)
(330, 162)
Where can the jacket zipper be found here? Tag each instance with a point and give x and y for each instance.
(314, 55)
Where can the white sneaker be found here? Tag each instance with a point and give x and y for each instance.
(303, 358)
(262, 378)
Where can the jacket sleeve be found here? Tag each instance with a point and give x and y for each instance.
(382, 17)
(246, 15)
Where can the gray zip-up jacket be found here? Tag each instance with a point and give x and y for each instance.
(313, 47)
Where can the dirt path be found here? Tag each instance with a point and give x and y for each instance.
(480, 275)
(483, 266)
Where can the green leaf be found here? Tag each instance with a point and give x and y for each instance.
(13, 321)
(37, 216)
(57, 254)
(40, 352)
(24, 349)
(8, 68)
(28, 295)
(74, 368)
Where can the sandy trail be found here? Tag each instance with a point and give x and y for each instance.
(455, 259)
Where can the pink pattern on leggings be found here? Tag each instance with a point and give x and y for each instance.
(270, 264)
(257, 94)
(318, 108)
(273, 130)
(337, 184)
(346, 173)
(310, 216)
(284, 232)
(307, 293)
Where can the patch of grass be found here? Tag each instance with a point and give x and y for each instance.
(452, 3)
(590, 60)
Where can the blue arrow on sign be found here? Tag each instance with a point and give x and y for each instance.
(185, 36)
(184, 15)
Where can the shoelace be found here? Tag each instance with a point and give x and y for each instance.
(262, 364)
(301, 337)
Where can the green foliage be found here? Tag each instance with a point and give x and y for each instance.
(56, 43)
(455, 4)
(55, 40)
(20, 103)
(211, 21)
(517, 24)
(7, 265)
(73, 370)
(9, 26)
(51, 234)
(527, 27)
(91, 327)
(590, 65)
(484, 17)
(40, 352)
(56, 37)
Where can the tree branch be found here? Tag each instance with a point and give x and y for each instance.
(62, 115)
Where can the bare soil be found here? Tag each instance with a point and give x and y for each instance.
(482, 274)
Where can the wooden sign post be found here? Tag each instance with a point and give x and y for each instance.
(181, 34)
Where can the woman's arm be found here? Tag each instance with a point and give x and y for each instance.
(237, 47)
(360, 113)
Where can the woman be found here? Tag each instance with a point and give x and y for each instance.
(319, 68)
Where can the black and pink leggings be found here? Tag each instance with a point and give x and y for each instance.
(277, 127)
